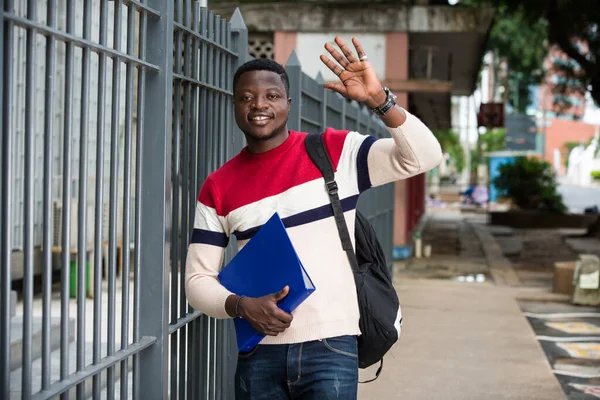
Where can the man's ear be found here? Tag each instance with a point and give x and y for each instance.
(289, 103)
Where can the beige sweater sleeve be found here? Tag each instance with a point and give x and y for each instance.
(204, 260)
(412, 150)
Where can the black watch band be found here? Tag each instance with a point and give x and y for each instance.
(390, 102)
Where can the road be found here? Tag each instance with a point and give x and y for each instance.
(577, 198)
(570, 337)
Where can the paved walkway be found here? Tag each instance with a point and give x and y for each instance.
(462, 341)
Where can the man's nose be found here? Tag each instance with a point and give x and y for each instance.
(259, 103)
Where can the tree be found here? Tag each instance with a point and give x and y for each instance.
(531, 184)
(450, 143)
(571, 25)
(491, 140)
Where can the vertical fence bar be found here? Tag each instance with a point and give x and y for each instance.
(203, 354)
(175, 183)
(204, 123)
(239, 33)
(66, 199)
(193, 338)
(156, 181)
(129, 83)
(215, 134)
(47, 201)
(218, 131)
(210, 95)
(82, 270)
(228, 100)
(185, 205)
(323, 95)
(294, 70)
(203, 326)
(6, 195)
(99, 193)
(113, 196)
(139, 146)
(223, 157)
(28, 201)
(344, 113)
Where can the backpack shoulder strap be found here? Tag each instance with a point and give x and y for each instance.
(318, 154)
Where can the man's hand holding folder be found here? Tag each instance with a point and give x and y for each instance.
(256, 276)
(262, 312)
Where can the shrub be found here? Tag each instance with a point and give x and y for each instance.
(596, 174)
(530, 184)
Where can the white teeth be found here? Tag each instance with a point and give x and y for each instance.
(260, 118)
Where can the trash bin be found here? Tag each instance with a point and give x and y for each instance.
(586, 281)
(73, 279)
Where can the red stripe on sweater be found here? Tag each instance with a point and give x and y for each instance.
(248, 178)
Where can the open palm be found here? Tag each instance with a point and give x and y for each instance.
(358, 78)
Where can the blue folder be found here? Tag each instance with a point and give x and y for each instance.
(265, 265)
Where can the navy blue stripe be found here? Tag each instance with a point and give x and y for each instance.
(304, 217)
(362, 166)
(209, 237)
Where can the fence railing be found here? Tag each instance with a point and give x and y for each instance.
(113, 114)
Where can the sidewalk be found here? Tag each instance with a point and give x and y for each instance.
(462, 341)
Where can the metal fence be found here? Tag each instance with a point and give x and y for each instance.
(113, 114)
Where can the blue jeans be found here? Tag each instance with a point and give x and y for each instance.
(317, 370)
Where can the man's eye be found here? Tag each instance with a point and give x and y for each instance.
(245, 98)
(274, 96)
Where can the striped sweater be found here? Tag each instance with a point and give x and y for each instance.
(243, 194)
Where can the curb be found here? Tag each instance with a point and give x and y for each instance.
(500, 267)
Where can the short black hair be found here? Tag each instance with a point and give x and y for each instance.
(263, 64)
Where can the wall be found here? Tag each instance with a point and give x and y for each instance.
(560, 131)
(284, 43)
(555, 76)
(310, 45)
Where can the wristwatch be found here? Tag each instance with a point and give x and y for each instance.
(390, 102)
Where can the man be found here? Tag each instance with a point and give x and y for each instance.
(311, 354)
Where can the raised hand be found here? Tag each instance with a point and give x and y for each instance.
(264, 315)
(358, 78)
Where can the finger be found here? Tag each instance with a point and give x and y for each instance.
(281, 294)
(278, 328)
(282, 316)
(345, 49)
(337, 87)
(336, 69)
(337, 55)
(359, 49)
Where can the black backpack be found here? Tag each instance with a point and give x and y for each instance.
(380, 315)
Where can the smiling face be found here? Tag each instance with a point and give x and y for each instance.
(261, 105)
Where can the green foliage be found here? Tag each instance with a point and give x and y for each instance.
(492, 140)
(519, 41)
(531, 184)
(564, 23)
(596, 175)
(457, 155)
(450, 142)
